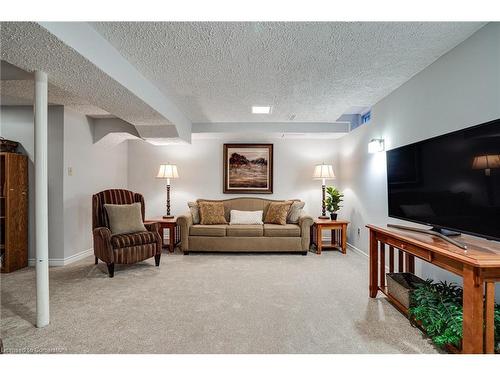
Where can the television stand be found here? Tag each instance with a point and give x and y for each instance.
(431, 232)
(479, 267)
(445, 232)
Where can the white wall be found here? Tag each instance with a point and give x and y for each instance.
(200, 170)
(459, 90)
(95, 167)
(16, 123)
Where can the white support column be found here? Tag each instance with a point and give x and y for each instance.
(41, 201)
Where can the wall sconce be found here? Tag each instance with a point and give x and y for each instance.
(376, 145)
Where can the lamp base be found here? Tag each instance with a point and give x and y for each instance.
(323, 217)
(168, 216)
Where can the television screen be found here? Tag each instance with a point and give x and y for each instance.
(449, 182)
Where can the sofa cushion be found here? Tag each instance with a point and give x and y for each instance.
(278, 230)
(212, 213)
(208, 230)
(132, 239)
(277, 212)
(294, 212)
(246, 217)
(245, 230)
(195, 212)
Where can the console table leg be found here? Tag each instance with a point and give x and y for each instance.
(344, 238)
(382, 264)
(489, 327)
(473, 312)
(373, 265)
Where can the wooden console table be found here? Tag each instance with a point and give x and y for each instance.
(338, 232)
(479, 266)
(169, 224)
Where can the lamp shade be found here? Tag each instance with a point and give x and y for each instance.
(486, 162)
(167, 171)
(323, 171)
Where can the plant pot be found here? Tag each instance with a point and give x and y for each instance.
(333, 216)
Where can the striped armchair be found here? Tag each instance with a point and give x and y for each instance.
(122, 248)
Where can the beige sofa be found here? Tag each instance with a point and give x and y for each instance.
(245, 238)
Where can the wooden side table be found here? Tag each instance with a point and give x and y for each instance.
(338, 232)
(174, 235)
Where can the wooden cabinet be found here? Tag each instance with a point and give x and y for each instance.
(13, 211)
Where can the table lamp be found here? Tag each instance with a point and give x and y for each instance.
(486, 162)
(168, 171)
(323, 172)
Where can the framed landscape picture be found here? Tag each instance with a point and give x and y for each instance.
(248, 168)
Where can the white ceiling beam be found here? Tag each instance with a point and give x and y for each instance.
(271, 127)
(91, 45)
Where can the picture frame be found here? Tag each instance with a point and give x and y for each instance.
(248, 168)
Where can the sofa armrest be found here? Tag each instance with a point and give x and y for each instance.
(305, 223)
(102, 244)
(185, 222)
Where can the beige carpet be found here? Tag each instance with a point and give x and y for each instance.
(208, 303)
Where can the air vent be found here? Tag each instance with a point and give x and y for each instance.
(293, 135)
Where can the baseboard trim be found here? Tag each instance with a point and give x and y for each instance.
(359, 251)
(58, 262)
(327, 239)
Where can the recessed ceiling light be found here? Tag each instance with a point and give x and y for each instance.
(261, 110)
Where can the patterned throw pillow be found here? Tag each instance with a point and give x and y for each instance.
(195, 212)
(212, 213)
(295, 211)
(277, 212)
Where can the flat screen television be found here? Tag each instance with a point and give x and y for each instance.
(449, 182)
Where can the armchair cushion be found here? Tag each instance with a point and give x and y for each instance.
(133, 239)
(125, 218)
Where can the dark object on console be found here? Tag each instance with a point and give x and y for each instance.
(122, 248)
(400, 286)
(8, 145)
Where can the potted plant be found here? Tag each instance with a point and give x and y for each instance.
(333, 200)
